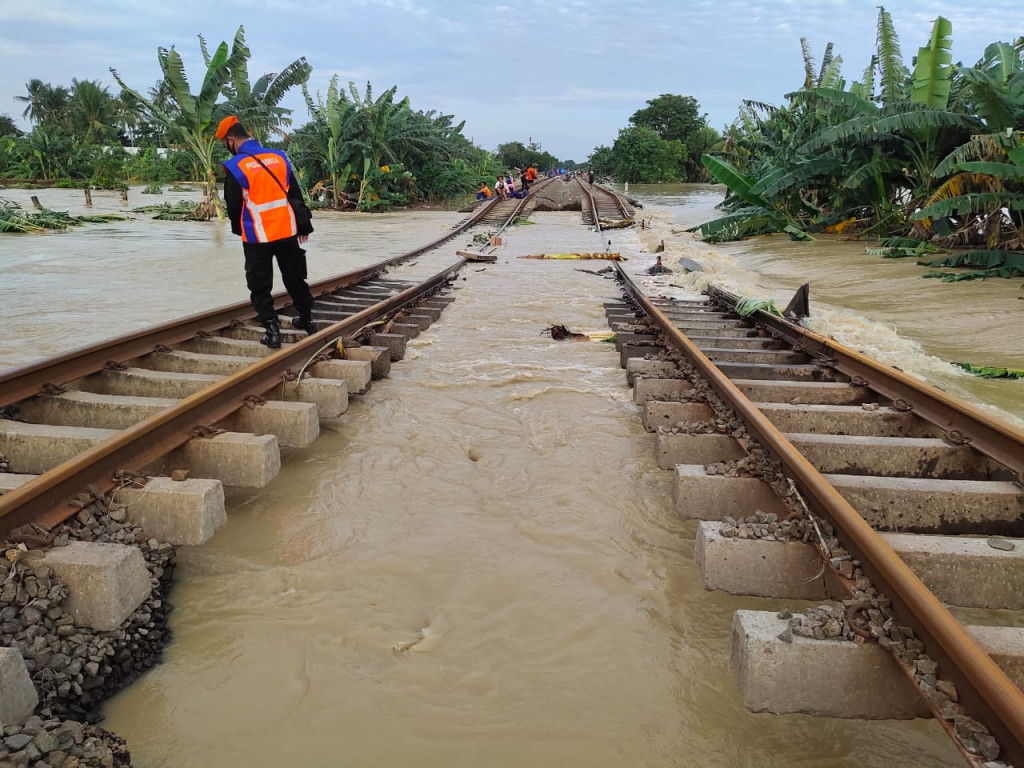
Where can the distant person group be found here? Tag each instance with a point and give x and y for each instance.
(505, 186)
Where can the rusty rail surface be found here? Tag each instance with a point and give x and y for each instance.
(25, 381)
(46, 498)
(988, 694)
(962, 423)
(537, 186)
(588, 191)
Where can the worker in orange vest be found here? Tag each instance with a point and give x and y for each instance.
(265, 205)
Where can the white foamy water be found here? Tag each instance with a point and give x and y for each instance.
(881, 307)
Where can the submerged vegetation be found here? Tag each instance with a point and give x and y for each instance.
(14, 219)
(933, 155)
(359, 149)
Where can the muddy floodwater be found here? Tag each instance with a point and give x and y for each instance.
(880, 306)
(478, 565)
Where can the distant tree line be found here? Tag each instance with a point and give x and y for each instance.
(358, 149)
(664, 141)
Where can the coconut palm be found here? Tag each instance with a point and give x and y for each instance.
(93, 112)
(45, 104)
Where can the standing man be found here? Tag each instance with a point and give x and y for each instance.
(262, 196)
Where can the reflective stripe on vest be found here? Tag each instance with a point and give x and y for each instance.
(256, 212)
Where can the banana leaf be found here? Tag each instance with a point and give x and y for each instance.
(1000, 170)
(934, 71)
(747, 307)
(903, 248)
(976, 274)
(972, 202)
(796, 234)
(987, 372)
(737, 183)
(983, 259)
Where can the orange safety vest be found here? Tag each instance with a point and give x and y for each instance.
(266, 213)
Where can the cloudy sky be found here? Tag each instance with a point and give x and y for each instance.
(565, 73)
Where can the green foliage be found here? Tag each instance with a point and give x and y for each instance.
(192, 121)
(991, 259)
(995, 87)
(7, 126)
(642, 156)
(989, 372)
(515, 154)
(179, 211)
(353, 137)
(16, 221)
(892, 72)
(663, 142)
(933, 71)
(747, 307)
(926, 156)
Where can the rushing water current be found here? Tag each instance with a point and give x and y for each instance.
(880, 306)
(480, 563)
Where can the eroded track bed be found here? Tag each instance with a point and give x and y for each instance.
(817, 474)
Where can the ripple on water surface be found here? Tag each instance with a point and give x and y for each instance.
(479, 564)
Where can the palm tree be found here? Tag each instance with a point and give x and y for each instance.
(45, 104)
(92, 110)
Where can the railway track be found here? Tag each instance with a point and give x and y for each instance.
(79, 421)
(898, 500)
(603, 207)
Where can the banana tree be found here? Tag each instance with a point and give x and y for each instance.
(983, 198)
(193, 123)
(328, 144)
(257, 105)
(995, 86)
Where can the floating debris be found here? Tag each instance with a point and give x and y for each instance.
(605, 256)
(988, 372)
(14, 219)
(562, 333)
(180, 211)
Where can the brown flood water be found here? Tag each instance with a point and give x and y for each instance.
(881, 306)
(479, 564)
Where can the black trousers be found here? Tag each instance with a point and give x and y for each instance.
(259, 276)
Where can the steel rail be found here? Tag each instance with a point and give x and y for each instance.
(593, 203)
(618, 201)
(962, 422)
(623, 210)
(46, 498)
(25, 381)
(522, 204)
(988, 694)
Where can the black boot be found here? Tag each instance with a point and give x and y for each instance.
(272, 338)
(306, 323)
